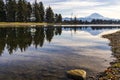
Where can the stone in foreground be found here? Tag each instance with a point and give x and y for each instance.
(77, 74)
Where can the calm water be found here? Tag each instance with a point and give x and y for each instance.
(46, 53)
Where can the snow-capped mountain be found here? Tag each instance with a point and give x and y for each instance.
(96, 16)
(91, 17)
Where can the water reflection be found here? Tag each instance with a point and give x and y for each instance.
(22, 38)
(46, 53)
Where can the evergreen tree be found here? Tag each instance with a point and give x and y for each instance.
(19, 11)
(59, 18)
(29, 11)
(37, 12)
(11, 9)
(41, 11)
(56, 18)
(22, 11)
(25, 9)
(49, 15)
(2, 11)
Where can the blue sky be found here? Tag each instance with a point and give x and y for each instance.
(81, 8)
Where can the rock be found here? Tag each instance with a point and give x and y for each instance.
(76, 74)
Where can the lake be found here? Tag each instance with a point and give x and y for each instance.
(46, 53)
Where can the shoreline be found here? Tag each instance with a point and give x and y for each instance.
(32, 24)
(17, 24)
(112, 72)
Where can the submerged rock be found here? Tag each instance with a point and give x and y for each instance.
(76, 74)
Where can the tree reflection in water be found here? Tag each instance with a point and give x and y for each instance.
(14, 38)
(21, 38)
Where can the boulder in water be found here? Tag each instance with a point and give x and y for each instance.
(77, 74)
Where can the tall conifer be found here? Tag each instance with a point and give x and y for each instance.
(2, 11)
(49, 15)
(41, 11)
(11, 9)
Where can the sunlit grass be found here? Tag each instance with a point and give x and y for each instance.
(4, 24)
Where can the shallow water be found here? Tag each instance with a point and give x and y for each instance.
(46, 53)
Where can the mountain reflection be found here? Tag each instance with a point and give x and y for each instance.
(21, 38)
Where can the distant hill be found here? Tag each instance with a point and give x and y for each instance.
(91, 17)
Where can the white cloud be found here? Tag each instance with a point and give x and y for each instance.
(108, 8)
(74, 5)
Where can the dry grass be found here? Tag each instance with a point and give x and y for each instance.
(17, 24)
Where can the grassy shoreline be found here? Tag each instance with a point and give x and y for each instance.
(27, 24)
(5, 24)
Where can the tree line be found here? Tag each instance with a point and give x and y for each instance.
(23, 11)
(94, 21)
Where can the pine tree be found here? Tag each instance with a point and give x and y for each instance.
(14, 9)
(11, 9)
(59, 18)
(19, 13)
(2, 11)
(25, 9)
(49, 15)
(22, 11)
(41, 11)
(29, 11)
(37, 12)
(56, 18)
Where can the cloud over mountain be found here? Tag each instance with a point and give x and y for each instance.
(91, 17)
(79, 8)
